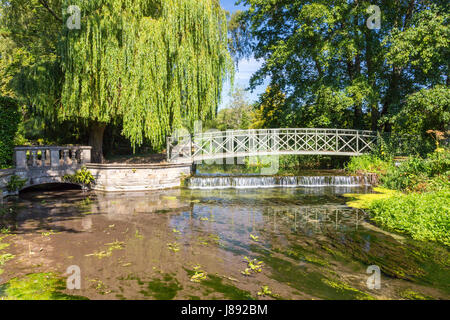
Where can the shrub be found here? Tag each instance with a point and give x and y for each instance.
(82, 176)
(423, 216)
(10, 118)
(368, 163)
(417, 174)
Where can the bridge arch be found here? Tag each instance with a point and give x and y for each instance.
(50, 186)
(264, 142)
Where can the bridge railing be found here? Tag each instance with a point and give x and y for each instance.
(254, 142)
(51, 157)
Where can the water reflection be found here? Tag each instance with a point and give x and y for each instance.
(311, 244)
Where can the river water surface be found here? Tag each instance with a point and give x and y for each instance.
(201, 244)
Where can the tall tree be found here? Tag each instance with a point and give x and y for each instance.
(146, 65)
(322, 54)
(236, 115)
(151, 63)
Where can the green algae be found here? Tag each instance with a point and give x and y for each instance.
(313, 283)
(36, 286)
(296, 253)
(412, 295)
(341, 286)
(5, 258)
(162, 289)
(217, 285)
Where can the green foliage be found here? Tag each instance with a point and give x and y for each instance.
(368, 163)
(336, 72)
(423, 216)
(9, 121)
(150, 64)
(237, 115)
(269, 113)
(15, 183)
(427, 109)
(82, 176)
(424, 212)
(417, 174)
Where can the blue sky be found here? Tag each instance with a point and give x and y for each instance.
(245, 70)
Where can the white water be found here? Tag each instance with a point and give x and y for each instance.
(247, 182)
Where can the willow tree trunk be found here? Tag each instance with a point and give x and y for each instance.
(96, 131)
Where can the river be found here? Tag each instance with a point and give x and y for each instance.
(261, 242)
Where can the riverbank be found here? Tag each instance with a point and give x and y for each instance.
(415, 198)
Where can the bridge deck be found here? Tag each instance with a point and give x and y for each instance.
(254, 142)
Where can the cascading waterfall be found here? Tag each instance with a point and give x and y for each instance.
(247, 182)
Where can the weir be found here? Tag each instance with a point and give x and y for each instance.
(248, 182)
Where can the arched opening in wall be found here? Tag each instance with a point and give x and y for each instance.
(50, 187)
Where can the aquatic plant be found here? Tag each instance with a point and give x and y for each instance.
(412, 295)
(254, 238)
(368, 163)
(37, 286)
(100, 287)
(5, 258)
(265, 291)
(48, 233)
(117, 245)
(161, 289)
(199, 275)
(252, 266)
(138, 235)
(341, 286)
(173, 247)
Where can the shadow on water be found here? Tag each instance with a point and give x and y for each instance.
(303, 243)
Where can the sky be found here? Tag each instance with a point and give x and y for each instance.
(245, 70)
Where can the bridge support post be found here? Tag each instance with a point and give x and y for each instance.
(21, 159)
(86, 155)
(54, 158)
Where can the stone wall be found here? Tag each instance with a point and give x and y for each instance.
(5, 175)
(128, 177)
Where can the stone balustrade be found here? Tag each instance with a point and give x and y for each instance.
(51, 157)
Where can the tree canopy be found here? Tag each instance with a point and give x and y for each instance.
(151, 63)
(337, 72)
(148, 66)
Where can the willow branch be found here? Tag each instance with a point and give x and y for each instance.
(46, 6)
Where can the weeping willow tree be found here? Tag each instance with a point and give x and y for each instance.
(151, 65)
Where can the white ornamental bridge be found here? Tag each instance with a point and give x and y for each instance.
(49, 164)
(269, 142)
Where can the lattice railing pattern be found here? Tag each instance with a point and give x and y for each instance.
(255, 142)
